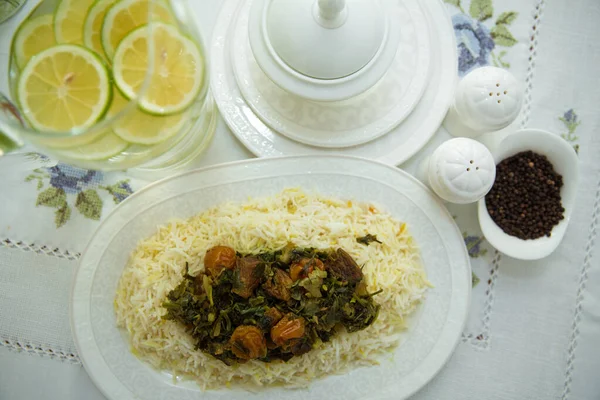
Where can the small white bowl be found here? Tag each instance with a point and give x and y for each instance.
(565, 162)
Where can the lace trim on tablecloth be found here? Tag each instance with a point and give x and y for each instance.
(30, 348)
(533, 43)
(583, 278)
(40, 249)
(481, 340)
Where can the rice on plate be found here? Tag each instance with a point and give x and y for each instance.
(269, 224)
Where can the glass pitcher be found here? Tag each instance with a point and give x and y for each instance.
(108, 84)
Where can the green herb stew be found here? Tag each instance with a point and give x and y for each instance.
(271, 306)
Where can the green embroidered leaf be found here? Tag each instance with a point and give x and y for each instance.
(502, 36)
(572, 124)
(89, 204)
(481, 9)
(474, 279)
(495, 60)
(62, 215)
(119, 191)
(570, 137)
(33, 156)
(453, 2)
(507, 18)
(52, 197)
(503, 63)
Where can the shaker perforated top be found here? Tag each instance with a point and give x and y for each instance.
(461, 171)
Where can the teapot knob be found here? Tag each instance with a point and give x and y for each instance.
(331, 13)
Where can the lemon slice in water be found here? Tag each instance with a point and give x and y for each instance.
(103, 148)
(142, 128)
(127, 15)
(64, 87)
(68, 20)
(92, 28)
(34, 36)
(177, 70)
(92, 135)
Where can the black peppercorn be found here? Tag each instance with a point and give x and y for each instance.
(525, 200)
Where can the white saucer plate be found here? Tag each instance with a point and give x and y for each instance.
(393, 148)
(343, 123)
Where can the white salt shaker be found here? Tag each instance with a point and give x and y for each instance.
(487, 99)
(460, 171)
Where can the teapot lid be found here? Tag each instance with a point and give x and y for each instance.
(326, 39)
(323, 49)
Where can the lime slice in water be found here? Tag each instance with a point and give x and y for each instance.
(92, 28)
(103, 148)
(34, 36)
(177, 74)
(68, 20)
(57, 142)
(127, 15)
(64, 87)
(142, 128)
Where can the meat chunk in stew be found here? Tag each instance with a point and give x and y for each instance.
(279, 285)
(342, 266)
(248, 272)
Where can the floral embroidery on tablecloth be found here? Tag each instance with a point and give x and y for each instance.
(64, 187)
(474, 279)
(478, 41)
(474, 245)
(475, 249)
(571, 121)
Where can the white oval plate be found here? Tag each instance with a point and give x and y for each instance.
(342, 123)
(425, 347)
(394, 148)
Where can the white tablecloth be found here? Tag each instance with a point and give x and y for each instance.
(534, 327)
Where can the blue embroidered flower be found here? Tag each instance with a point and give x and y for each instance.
(473, 244)
(72, 179)
(572, 122)
(474, 41)
(570, 117)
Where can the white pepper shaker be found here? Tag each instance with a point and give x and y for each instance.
(487, 99)
(460, 171)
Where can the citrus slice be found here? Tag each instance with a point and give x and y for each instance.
(92, 28)
(127, 15)
(103, 148)
(61, 142)
(177, 69)
(34, 36)
(68, 20)
(69, 142)
(141, 128)
(64, 87)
